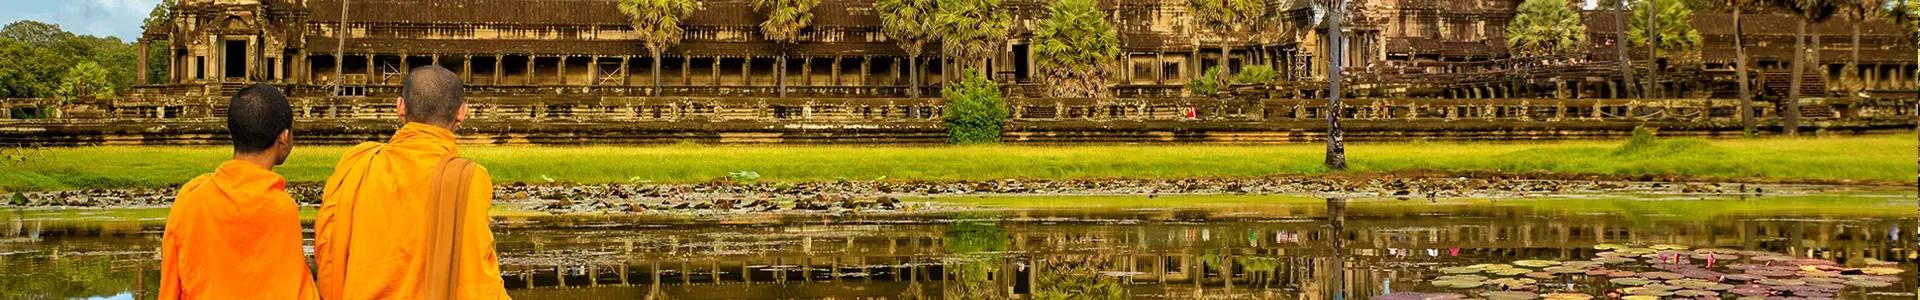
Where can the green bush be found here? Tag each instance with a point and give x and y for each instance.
(1641, 140)
(975, 110)
(1207, 84)
(1256, 74)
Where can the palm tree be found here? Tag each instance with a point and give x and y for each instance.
(1620, 48)
(1336, 137)
(785, 21)
(1228, 18)
(1671, 32)
(658, 23)
(1740, 65)
(970, 30)
(1858, 11)
(910, 24)
(1546, 27)
(1076, 46)
(1809, 11)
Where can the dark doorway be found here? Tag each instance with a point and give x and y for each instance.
(236, 59)
(1020, 60)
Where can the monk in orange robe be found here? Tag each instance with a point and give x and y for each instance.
(371, 234)
(235, 233)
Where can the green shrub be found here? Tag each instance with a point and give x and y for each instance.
(1256, 74)
(1207, 84)
(1641, 140)
(975, 110)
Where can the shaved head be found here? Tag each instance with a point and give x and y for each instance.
(256, 116)
(433, 95)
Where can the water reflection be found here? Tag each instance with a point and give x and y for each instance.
(1336, 249)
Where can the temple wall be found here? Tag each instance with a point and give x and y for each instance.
(658, 120)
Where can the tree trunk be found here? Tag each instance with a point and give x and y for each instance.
(1740, 66)
(1336, 139)
(1653, 49)
(913, 71)
(1792, 113)
(1225, 50)
(656, 70)
(1620, 48)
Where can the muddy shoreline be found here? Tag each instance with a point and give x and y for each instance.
(723, 195)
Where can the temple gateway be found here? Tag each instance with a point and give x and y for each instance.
(572, 71)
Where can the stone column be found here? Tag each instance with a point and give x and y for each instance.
(562, 70)
(866, 69)
(746, 71)
(142, 68)
(406, 68)
(499, 68)
(1160, 68)
(686, 70)
(530, 71)
(466, 69)
(626, 78)
(806, 71)
(834, 75)
(373, 70)
(593, 71)
(716, 71)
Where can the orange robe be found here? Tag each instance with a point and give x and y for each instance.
(234, 234)
(371, 228)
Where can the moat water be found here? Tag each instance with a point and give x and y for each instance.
(1240, 247)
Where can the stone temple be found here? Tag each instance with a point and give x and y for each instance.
(572, 72)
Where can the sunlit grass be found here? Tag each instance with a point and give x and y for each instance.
(1879, 158)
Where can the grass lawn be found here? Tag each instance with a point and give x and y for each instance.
(1881, 158)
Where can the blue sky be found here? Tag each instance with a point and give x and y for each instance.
(119, 18)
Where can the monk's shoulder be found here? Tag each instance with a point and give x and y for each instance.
(195, 183)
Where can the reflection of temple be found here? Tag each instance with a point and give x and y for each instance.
(1220, 257)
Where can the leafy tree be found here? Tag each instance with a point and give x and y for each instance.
(972, 30)
(786, 19)
(85, 79)
(1207, 84)
(1256, 74)
(909, 23)
(27, 71)
(1076, 48)
(36, 33)
(1858, 11)
(975, 110)
(1675, 31)
(1546, 27)
(1809, 11)
(160, 14)
(659, 25)
(1229, 18)
(157, 57)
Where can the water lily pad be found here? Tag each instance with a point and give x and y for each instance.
(1534, 263)
(1566, 296)
(1511, 282)
(1695, 293)
(1669, 247)
(1869, 283)
(1541, 275)
(1609, 247)
(1716, 256)
(1829, 286)
(1619, 274)
(1652, 292)
(1661, 275)
(1458, 284)
(1772, 258)
(1640, 297)
(1630, 281)
(1491, 267)
(1780, 282)
(1462, 277)
(1509, 295)
(1418, 296)
(1597, 272)
(1612, 260)
(1882, 271)
(1564, 270)
(1460, 270)
(1580, 264)
(1509, 271)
